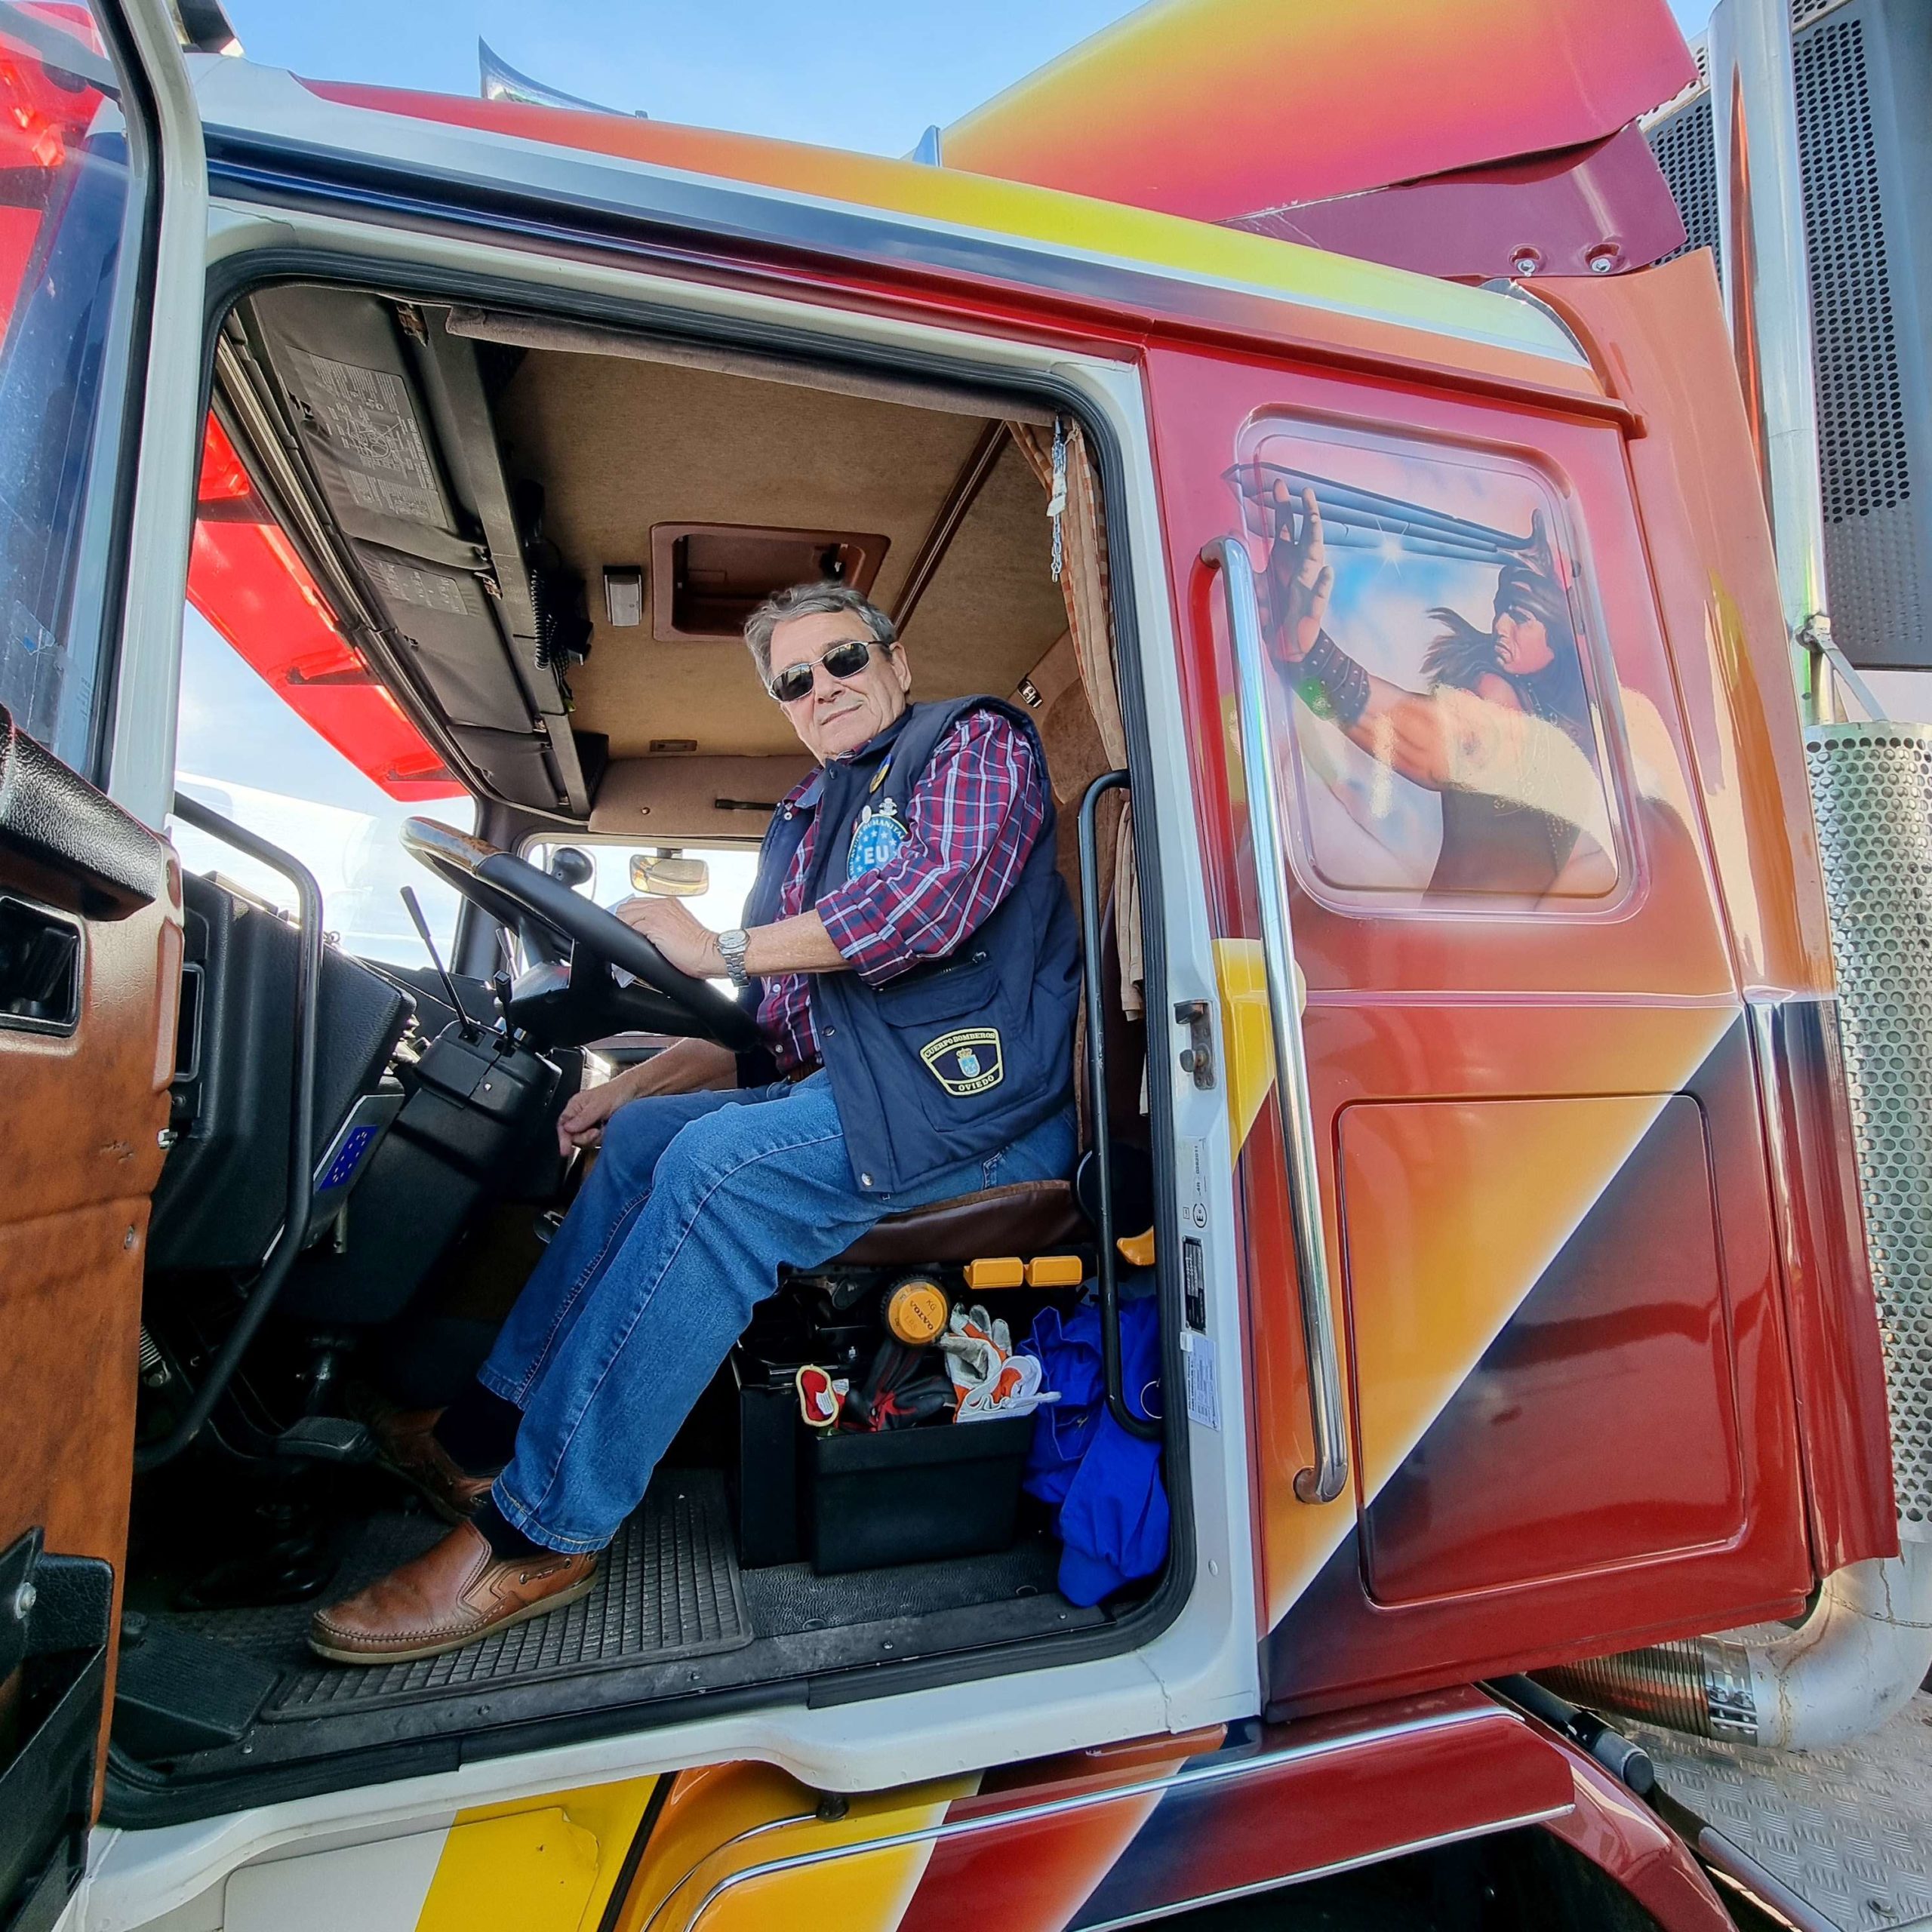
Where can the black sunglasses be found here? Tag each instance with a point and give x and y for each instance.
(845, 658)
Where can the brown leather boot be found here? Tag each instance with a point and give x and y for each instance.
(406, 1445)
(447, 1597)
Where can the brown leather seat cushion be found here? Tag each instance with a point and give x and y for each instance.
(1027, 1217)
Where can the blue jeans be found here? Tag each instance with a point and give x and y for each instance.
(675, 1236)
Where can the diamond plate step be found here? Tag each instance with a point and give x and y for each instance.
(1850, 1831)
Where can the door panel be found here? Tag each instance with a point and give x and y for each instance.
(89, 966)
(90, 902)
(1620, 1342)
(1541, 1160)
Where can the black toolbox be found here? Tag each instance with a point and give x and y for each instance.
(912, 1495)
(862, 1501)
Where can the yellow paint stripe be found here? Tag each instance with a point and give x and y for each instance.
(1109, 233)
(1240, 977)
(724, 1822)
(541, 1865)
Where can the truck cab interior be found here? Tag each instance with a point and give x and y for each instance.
(538, 540)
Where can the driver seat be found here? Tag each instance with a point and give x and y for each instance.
(1028, 1217)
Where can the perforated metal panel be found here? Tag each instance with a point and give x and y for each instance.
(1873, 787)
(1861, 418)
(1869, 242)
(1873, 564)
(1682, 146)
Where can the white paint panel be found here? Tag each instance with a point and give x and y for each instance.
(378, 1888)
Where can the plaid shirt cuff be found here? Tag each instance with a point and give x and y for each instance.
(872, 946)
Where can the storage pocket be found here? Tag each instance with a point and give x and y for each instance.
(947, 991)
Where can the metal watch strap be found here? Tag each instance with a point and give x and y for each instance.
(731, 946)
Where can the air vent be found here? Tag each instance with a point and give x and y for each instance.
(707, 578)
(1682, 146)
(1861, 419)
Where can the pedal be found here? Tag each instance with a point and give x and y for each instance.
(177, 1691)
(326, 1439)
(546, 1225)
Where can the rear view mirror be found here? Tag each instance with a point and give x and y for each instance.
(669, 879)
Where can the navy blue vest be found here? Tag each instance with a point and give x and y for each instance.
(958, 1058)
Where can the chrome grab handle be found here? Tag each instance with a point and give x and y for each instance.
(1324, 1481)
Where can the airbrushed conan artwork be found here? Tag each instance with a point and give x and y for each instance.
(1425, 624)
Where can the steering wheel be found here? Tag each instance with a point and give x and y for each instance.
(568, 1002)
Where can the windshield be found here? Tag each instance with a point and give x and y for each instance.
(243, 752)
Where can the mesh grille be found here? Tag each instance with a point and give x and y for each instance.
(1682, 146)
(1873, 786)
(1876, 568)
(1861, 421)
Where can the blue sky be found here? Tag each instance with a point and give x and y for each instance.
(870, 74)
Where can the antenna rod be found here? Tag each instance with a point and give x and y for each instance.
(470, 1030)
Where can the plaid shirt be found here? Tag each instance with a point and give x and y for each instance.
(971, 820)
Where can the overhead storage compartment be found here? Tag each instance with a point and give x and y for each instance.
(391, 416)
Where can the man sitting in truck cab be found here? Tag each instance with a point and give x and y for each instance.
(911, 956)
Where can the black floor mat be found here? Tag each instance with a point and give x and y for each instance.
(668, 1588)
(789, 1599)
(671, 1617)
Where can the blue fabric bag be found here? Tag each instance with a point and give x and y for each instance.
(1104, 1483)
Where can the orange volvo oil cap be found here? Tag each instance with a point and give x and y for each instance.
(915, 1311)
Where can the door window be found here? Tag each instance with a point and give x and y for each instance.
(245, 754)
(73, 193)
(1435, 685)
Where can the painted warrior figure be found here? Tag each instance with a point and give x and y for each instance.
(1503, 732)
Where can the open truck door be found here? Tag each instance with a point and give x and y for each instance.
(103, 203)
(1527, 1174)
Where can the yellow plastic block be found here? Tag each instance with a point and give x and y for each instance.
(1055, 1271)
(999, 1271)
(1137, 1251)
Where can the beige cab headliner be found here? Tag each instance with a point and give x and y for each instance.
(620, 445)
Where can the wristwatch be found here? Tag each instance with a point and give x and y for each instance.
(731, 945)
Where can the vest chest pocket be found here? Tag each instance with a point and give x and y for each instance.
(948, 1019)
(951, 992)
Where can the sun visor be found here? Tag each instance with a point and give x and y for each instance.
(447, 631)
(1224, 109)
(391, 417)
(516, 766)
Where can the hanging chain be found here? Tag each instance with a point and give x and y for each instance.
(1057, 502)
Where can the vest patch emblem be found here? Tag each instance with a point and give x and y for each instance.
(876, 839)
(966, 1061)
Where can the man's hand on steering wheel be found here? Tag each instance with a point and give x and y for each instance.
(574, 1004)
(677, 932)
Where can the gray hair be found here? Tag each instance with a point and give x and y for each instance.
(812, 600)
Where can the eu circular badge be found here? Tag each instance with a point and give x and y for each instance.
(876, 839)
